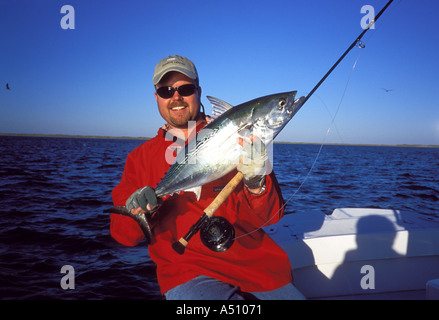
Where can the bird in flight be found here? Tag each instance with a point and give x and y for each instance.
(387, 90)
(7, 87)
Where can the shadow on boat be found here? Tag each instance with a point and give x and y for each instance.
(361, 253)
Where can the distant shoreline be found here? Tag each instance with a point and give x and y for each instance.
(147, 138)
(70, 136)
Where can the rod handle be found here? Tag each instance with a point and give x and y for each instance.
(222, 196)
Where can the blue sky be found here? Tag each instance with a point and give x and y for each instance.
(97, 78)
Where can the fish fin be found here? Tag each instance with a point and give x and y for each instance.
(122, 210)
(218, 106)
(196, 190)
(140, 219)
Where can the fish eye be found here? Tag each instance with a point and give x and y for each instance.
(282, 103)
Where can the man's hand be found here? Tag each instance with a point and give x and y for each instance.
(142, 201)
(253, 164)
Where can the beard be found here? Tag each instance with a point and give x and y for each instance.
(180, 118)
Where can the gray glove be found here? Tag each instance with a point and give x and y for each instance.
(141, 198)
(253, 165)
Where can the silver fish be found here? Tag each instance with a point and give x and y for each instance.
(216, 150)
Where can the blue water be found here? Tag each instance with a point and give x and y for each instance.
(53, 191)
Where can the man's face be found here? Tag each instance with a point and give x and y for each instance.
(178, 110)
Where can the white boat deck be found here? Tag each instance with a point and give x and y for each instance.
(360, 253)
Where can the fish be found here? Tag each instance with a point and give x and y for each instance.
(215, 151)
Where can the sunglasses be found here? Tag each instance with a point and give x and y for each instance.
(185, 90)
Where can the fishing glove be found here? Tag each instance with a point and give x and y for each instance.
(253, 164)
(141, 198)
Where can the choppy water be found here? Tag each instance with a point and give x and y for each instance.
(53, 191)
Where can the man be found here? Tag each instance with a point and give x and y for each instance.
(255, 263)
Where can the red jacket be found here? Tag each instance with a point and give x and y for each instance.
(253, 263)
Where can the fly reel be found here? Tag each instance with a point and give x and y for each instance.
(217, 234)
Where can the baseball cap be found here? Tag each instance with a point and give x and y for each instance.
(174, 63)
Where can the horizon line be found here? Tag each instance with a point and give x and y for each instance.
(148, 138)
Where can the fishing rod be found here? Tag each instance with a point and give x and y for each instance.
(216, 232)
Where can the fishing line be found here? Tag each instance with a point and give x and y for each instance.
(327, 132)
(315, 159)
(360, 45)
(331, 116)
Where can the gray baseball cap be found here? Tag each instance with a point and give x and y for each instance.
(174, 63)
